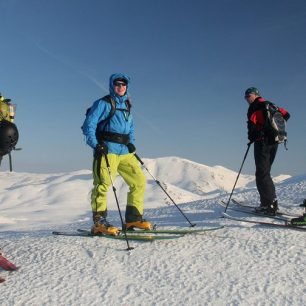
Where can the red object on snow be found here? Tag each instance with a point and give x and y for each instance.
(6, 264)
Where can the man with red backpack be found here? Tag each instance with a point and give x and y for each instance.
(266, 140)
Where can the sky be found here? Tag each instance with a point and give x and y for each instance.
(189, 62)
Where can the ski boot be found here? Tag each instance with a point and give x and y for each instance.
(103, 227)
(141, 224)
(300, 221)
(269, 210)
(304, 204)
(274, 207)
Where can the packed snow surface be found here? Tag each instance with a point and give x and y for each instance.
(241, 264)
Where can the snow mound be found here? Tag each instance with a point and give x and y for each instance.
(241, 264)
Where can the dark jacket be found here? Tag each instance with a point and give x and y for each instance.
(257, 119)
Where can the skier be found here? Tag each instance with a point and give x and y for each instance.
(110, 132)
(8, 131)
(265, 149)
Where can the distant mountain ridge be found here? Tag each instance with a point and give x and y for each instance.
(198, 178)
(60, 197)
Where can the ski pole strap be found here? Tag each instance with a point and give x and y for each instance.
(113, 137)
(106, 160)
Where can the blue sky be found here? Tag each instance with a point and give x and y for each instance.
(189, 61)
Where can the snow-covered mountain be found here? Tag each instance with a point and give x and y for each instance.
(36, 199)
(196, 178)
(241, 264)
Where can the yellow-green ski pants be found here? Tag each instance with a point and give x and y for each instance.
(129, 168)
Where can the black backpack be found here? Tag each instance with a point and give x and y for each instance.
(275, 126)
(112, 102)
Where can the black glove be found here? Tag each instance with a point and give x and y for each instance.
(253, 133)
(101, 149)
(131, 148)
(287, 116)
(252, 136)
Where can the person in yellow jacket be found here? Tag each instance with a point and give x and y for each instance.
(8, 131)
(109, 131)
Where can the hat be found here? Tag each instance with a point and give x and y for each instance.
(252, 90)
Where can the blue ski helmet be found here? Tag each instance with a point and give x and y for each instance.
(252, 90)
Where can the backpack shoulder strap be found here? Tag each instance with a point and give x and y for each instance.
(112, 102)
(269, 106)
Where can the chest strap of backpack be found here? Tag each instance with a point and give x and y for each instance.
(113, 137)
(112, 112)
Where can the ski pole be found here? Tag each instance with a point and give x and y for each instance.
(114, 190)
(245, 156)
(159, 184)
(10, 161)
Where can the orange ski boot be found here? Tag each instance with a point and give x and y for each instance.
(105, 228)
(141, 224)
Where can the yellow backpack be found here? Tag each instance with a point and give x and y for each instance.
(7, 109)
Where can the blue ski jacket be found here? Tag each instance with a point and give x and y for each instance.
(121, 122)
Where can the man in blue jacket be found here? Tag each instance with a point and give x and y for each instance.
(109, 130)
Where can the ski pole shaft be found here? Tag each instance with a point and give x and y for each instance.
(115, 193)
(160, 185)
(10, 161)
(244, 158)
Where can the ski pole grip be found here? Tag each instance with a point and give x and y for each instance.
(138, 158)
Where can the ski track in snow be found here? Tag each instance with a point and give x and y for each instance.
(241, 264)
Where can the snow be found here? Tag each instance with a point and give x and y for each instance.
(241, 264)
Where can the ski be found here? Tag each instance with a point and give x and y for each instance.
(87, 233)
(251, 211)
(282, 225)
(6, 264)
(133, 236)
(141, 235)
(278, 213)
(177, 231)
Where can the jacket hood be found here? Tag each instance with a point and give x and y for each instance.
(112, 78)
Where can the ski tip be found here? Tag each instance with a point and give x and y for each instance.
(12, 267)
(9, 267)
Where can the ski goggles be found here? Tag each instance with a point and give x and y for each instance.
(119, 84)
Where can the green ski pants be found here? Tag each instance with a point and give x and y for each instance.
(129, 168)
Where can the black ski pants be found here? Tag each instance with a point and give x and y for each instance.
(264, 155)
